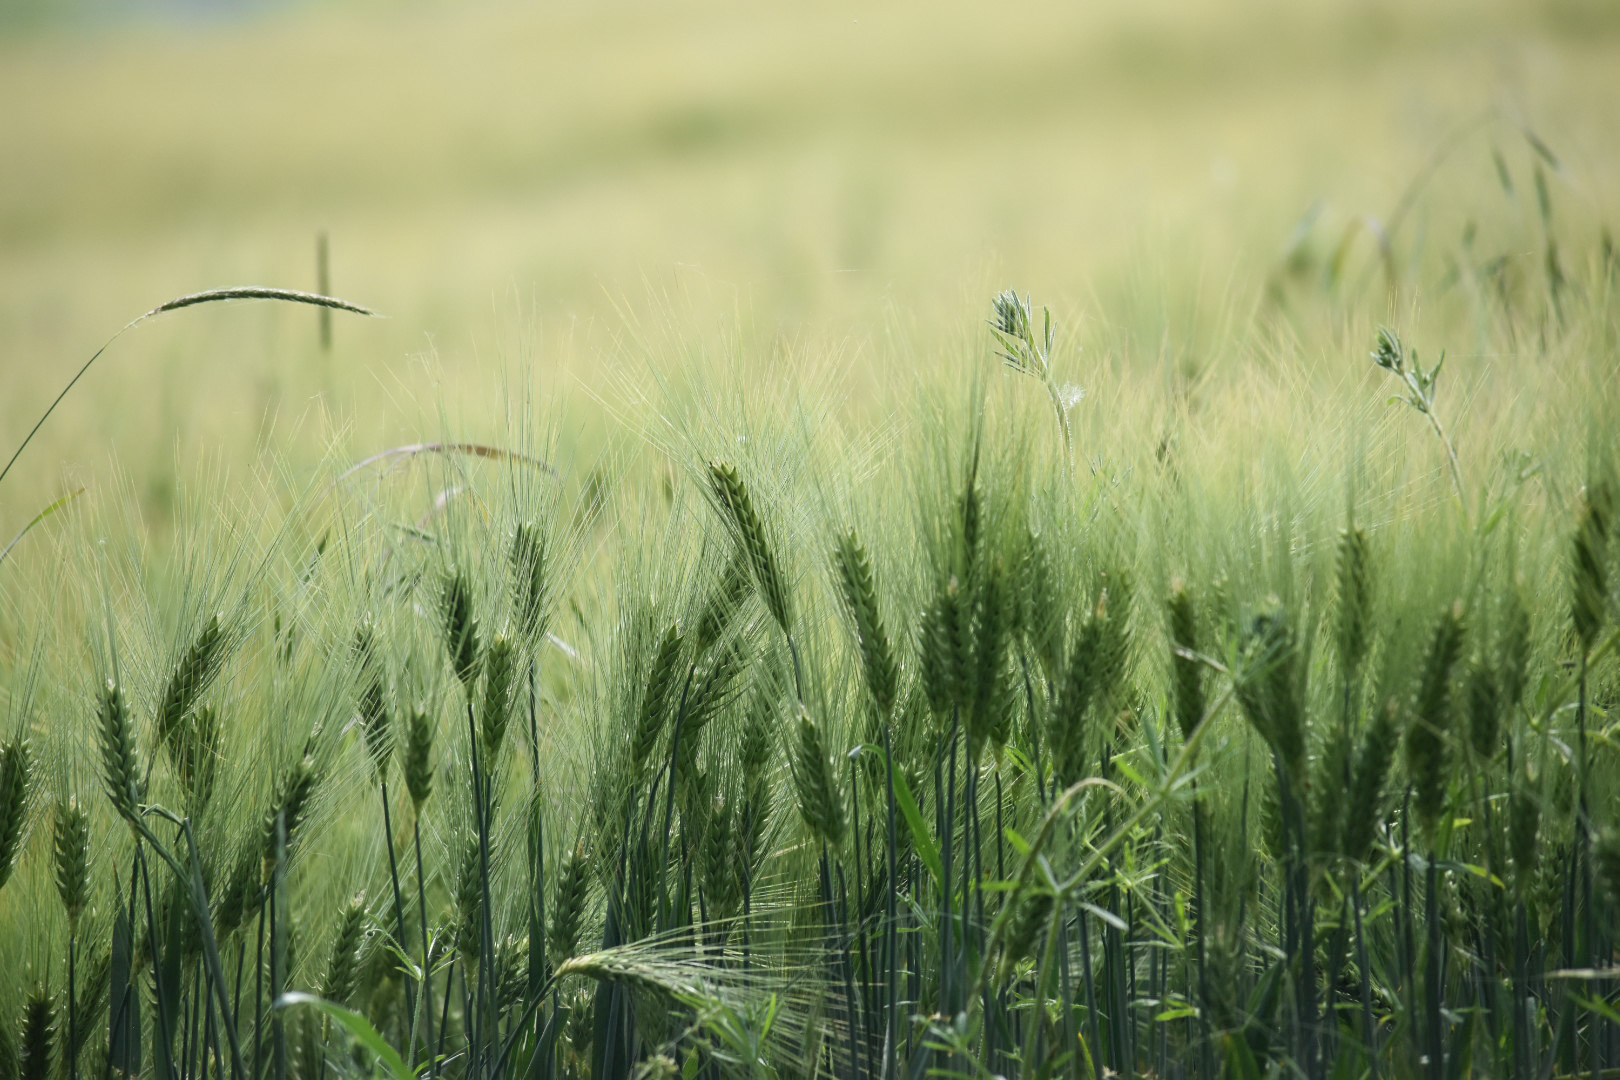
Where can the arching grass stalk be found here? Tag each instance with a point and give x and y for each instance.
(246, 292)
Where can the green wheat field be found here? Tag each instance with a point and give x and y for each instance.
(842, 541)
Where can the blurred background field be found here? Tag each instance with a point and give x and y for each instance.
(562, 196)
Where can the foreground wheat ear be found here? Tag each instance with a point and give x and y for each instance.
(209, 296)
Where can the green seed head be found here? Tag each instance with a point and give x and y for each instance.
(1591, 564)
(70, 849)
(568, 905)
(1364, 809)
(15, 767)
(500, 684)
(343, 967)
(1428, 739)
(815, 785)
(1354, 588)
(190, 679)
(419, 757)
(115, 737)
(1186, 673)
(460, 627)
(531, 598)
(858, 589)
(1524, 828)
(737, 507)
(376, 721)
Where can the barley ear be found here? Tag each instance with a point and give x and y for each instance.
(1484, 702)
(419, 757)
(376, 722)
(500, 686)
(1524, 829)
(1066, 732)
(1427, 740)
(70, 850)
(38, 1036)
(116, 738)
(1367, 779)
(9, 1065)
(460, 626)
(1269, 687)
(531, 596)
(1591, 564)
(568, 905)
(1186, 672)
(343, 967)
(858, 590)
(15, 770)
(1514, 647)
(190, 679)
(1353, 587)
(656, 697)
(290, 807)
(814, 784)
(734, 501)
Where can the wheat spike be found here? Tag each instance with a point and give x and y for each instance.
(70, 850)
(15, 770)
(419, 757)
(460, 626)
(1427, 740)
(858, 589)
(196, 669)
(732, 496)
(1186, 673)
(116, 737)
(815, 785)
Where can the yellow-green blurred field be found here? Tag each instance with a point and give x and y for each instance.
(823, 192)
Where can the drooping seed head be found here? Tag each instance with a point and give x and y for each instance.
(737, 507)
(1029, 924)
(1513, 654)
(281, 825)
(190, 679)
(1040, 613)
(656, 697)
